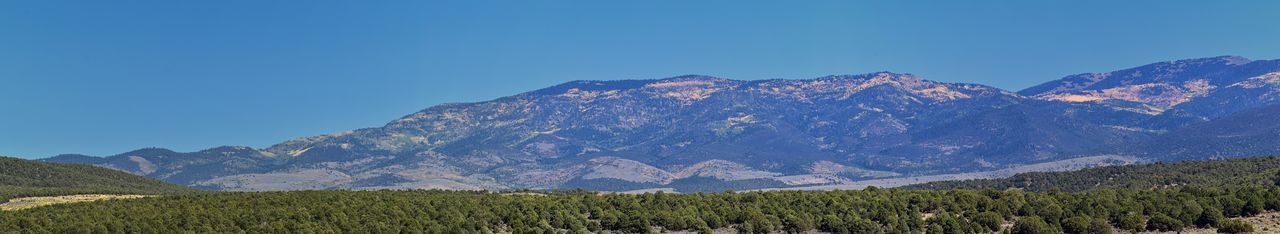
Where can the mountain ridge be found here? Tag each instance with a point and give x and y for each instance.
(649, 131)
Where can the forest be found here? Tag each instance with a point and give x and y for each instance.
(872, 210)
(1254, 171)
(1150, 197)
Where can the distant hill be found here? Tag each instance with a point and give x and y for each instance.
(1209, 173)
(23, 178)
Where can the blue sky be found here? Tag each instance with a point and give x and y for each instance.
(105, 77)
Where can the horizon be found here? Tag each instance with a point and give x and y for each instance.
(101, 79)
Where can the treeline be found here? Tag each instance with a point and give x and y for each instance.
(865, 211)
(1256, 171)
(26, 178)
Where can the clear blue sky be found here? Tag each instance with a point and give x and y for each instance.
(105, 77)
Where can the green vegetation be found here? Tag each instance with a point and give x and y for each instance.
(685, 185)
(1235, 226)
(1258, 171)
(867, 211)
(26, 178)
(1156, 197)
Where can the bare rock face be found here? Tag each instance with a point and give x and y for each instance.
(713, 133)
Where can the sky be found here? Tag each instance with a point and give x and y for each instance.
(106, 77)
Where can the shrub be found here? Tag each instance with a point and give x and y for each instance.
(1234, 226)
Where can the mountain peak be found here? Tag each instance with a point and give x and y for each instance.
(152, 151)
(229, 150)
(874, 75)
(693, 77)
(1225, 59)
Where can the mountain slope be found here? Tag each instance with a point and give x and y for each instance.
(1246, 133)
(703, 132)
(1242, 172)
(182, 168)
(1163, 85)
(1181, 92)
(21, 178)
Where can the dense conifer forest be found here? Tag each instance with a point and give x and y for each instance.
(1256, 171)
(865, 211)
(27, 178)
(1155, 197)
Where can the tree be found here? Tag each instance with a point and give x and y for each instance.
(1076, 225)
(861, 225)
(1032, 225)
(1164, 223)
(936, 229)
(1100, 226)
(1211, 216)
(832, 223)
(796, 224)
(1232, 206)
(989, 220)
(1254, 204)
(1132, 222)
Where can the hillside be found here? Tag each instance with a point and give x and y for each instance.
(25, 178)
(714, 133)
(1250, 132)
(1257, 171)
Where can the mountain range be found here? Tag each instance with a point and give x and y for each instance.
(701, 133)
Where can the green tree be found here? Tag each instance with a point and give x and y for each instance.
(1032, 225)
(1164, 223)
(989, 220)
(1100, 226)
(1211, 216)
(1132, 222)
(861, 225)
(1077, 225)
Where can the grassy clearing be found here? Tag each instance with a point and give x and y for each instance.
(32, 202)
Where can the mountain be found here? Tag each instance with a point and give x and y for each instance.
(1227, 173)
(21, 178)
(706, 133)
